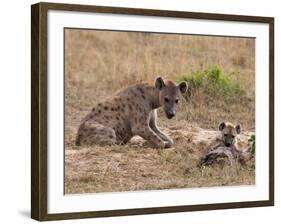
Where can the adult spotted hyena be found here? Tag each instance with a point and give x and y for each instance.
(130, 112)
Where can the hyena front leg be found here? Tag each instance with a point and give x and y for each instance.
(149, 135)
(144, 131)
(154, 127)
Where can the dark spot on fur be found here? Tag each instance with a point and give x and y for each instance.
(117, 118)
(130, 107)
(141, 90)
(143, 96)
(111, 136)
(112, 109)
(93, 109)
(99, 104)
(99, 111)
(137, 107)
(106, 108)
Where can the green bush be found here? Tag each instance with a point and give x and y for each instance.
(214, 82)
(252, 141)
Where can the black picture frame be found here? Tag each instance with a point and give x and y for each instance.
(39, 110)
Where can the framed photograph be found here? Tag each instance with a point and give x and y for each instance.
(139, 111)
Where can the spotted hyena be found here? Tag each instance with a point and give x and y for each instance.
(224, 146)
(130, 112)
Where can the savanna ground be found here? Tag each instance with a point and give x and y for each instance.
(221, 75)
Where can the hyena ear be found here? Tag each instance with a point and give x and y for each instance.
(222, 126)
(183, 87)
(238, 128)
(159, 83)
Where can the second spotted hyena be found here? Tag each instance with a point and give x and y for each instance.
(130, 112)
(224, 145)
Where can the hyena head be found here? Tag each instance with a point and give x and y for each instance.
(169, 94)
(229, 133)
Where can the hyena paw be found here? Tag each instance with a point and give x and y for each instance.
(168, 144)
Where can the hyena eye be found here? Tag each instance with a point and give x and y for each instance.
(177, 100)
(166, 99)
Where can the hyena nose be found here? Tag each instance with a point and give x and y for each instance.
(171, 114)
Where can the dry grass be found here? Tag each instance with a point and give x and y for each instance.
(97, 63)
(136, 166)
